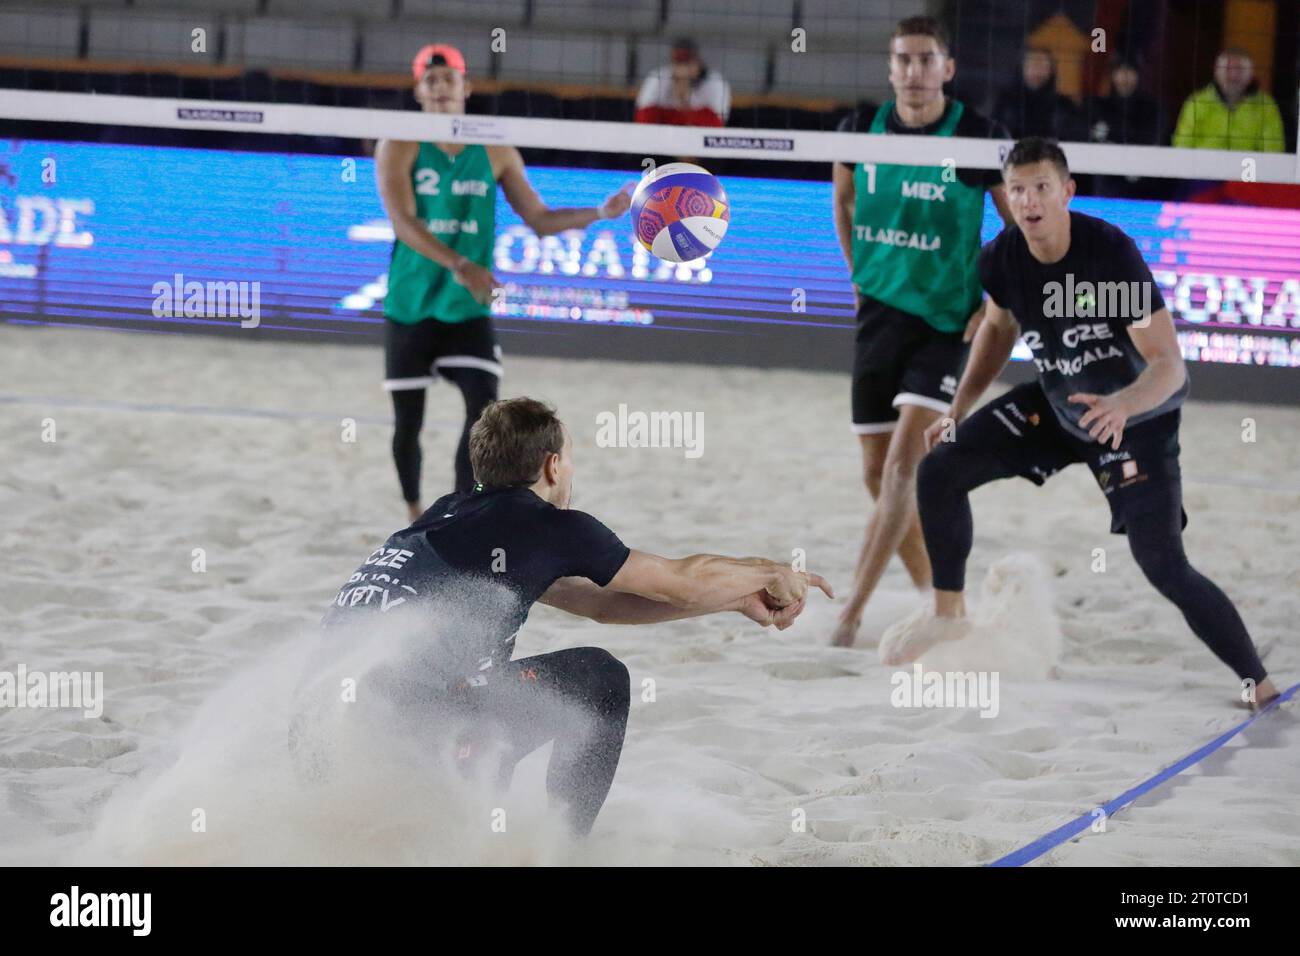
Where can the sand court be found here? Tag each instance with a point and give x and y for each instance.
(200, 505)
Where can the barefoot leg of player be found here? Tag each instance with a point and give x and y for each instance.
(915, 298)
(875, 449)
(911, 552)
(893, 518)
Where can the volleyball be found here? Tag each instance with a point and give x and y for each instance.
(680, 212)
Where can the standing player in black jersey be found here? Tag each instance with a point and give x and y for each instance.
(455, 587)
(910, 235)
(1111, 383)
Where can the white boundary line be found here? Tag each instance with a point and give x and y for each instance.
(634, 138)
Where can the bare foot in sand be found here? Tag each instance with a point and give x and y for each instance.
(906, 640)
(1265, 692)
(845, 633)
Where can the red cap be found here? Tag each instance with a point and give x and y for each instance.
(685, 50)
(449, 53)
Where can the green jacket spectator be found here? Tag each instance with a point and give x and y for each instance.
(1232, 112)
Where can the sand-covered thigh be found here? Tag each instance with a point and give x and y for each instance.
(175, 513)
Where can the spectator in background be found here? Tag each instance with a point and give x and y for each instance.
(1232, 112)
(685, 92)
(1032, 106)
(1127, 115)
(1130, 117)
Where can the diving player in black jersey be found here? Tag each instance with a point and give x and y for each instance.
(455, 587)
(1111, 383)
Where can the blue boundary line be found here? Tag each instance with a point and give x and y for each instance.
(1058, 836)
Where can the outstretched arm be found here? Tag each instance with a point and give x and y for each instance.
(583, 598)
(703, 583)
(536, 214)
(649, 589)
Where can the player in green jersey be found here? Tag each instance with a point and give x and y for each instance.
(441, 198)
(911, 237)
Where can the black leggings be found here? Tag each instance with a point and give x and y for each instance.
(578, 698)
(478, 387)
(949, 473)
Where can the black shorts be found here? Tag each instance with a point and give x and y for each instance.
(414, 353)
(899, 359)
(1023, 432)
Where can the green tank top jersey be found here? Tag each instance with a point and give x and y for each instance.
(916, 237)
(456, 199)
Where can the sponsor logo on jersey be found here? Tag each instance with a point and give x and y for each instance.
(898, 237)
(444, 227)
(1094, 332)
(932, 192)
(1073, 366)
